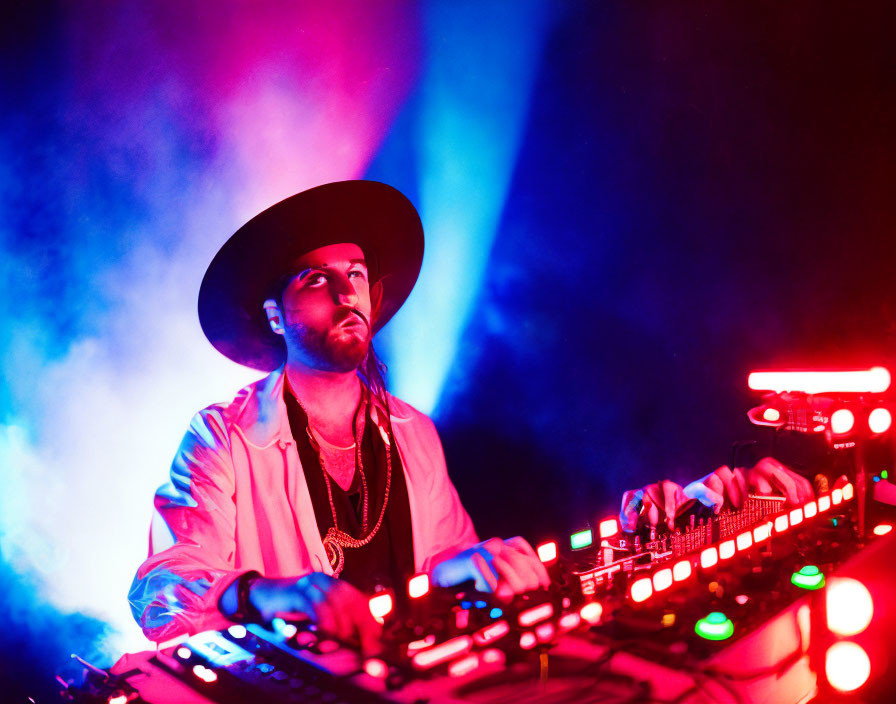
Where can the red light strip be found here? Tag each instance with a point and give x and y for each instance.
(875, 380)
(442, 652)
(538, 613)
(491, 632)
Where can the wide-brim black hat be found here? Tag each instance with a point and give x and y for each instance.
(376, 217)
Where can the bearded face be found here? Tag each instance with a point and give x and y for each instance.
(327, 311)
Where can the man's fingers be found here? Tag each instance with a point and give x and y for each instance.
(717, 488)
(761, 485)
(786, 484)
(673, 497)
(510, 573)
(705, 495)
(741, 482)
(632, 501)
(522, 545)
(528, 569)
(489, 578)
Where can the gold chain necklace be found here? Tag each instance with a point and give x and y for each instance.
(337, 540)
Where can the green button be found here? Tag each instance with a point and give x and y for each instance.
(580, 540)
(883, 474)
(716, 626)
(809, 577)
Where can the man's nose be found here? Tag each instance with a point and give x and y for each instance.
(343, 291)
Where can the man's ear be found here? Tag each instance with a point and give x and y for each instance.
(275, 317)
(376, 300)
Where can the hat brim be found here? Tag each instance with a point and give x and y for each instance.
(373, 215)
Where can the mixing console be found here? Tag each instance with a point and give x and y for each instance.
(767, 603)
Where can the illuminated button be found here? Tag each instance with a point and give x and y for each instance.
(237, 631)
(608, 527)
(744, 540)
(204, 673)
(668, 620)
(536, 614)
(120, 699)
(824, 503)
(569, 621)
(849, 606)
(836, 496)
(709, 557)
(681, 571)
(376, 668)
(842, 421)
(882, 528)
(547, 552)
(741, 599)
(493, 656)
(480, 604)
(879, 421)
(726, 550)
(442, 652)
(810, 509)
(809, 577)
(884, 474)
(641, 589)
(528, 640)
(591, 612)
(464, 665)
(289, 630)
(184, 652)
(491, 632)
(380, 605)
(418, 585)
(847, 666)
(544, 631)
(580, 540)
(716, 626)
(496, 613)
(796, 516)
(762, 532)
(662, 580)
(847, 492)
(781, 524)
(772, 415)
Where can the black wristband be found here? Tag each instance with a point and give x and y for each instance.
(245, 611)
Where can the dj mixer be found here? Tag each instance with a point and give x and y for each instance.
(768, 602)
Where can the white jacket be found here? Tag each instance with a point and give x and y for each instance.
(238, 501)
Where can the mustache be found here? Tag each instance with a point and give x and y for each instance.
(345, 313)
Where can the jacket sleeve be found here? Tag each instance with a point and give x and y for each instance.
(451, 528)
(192, 538)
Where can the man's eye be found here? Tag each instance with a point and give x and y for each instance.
(316, 279)
(357, 273)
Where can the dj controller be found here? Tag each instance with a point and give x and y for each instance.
(769, 602)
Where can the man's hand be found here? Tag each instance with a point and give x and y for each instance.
(663, 500)
(505, 567)
(334, 606)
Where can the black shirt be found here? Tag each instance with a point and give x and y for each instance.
(388, 559)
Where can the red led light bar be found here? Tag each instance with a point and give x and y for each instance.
(875, 380)
(608, 527)
(536, 614)
(442, 652)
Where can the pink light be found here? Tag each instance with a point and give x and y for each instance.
(847, 666)
(641, 589)
(879, 420)
(418, 585)
(376, 668)
(875, 380)
(882, 528)
(608, 527)
(442, 652)
(682, 570)
(462, 619)
(726, 550)
(591, 612)
(772, 415)
(538, 613)
(842, 421)
(763, 532)
(810, 509)
(824, 503)
(547, 552)
(796, 516)
(662, 579)
(545, 632)
(380, 605)
(849, 606)
(569, 621)
(741, 599)
(781, 523)
(415, 645)
(847, 492)
(744, 540)
(205, 674)
(464, 666)
(528, 640)
(709, 557)
(493, 656)
(491, 632)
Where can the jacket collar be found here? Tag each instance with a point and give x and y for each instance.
(261, 414)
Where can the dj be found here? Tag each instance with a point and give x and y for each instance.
(314, 484)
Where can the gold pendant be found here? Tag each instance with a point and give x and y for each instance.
(334, 551)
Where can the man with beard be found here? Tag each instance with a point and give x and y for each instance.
(314, 484)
